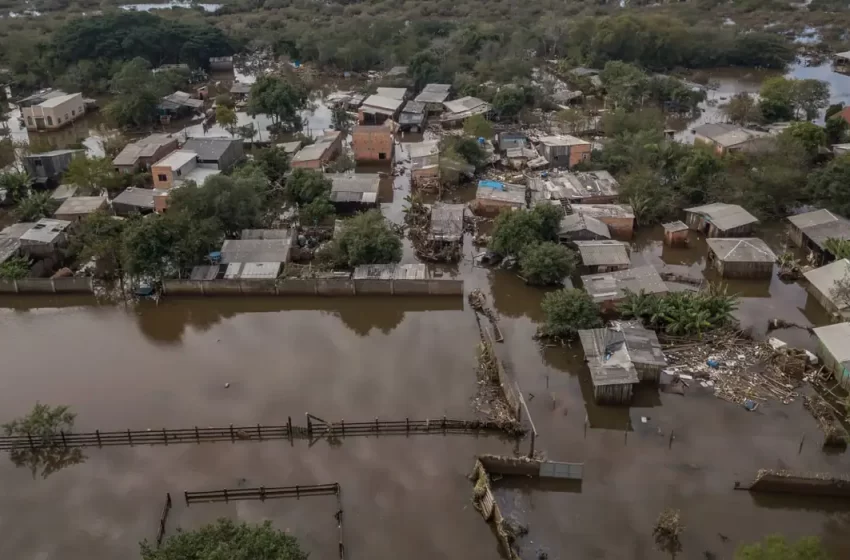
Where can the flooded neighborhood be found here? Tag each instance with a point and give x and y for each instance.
(595, 311)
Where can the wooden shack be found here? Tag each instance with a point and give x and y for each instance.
(676, 234)
(811, 231)
(578, 227)
(612, 372)
(740, 258)
(834, 350)
(603, 256)
(821, 282)
(720, 220)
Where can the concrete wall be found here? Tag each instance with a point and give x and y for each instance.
(47, 285)
(315, 286)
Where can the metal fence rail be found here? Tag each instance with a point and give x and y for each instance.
(313, 429)
(262, 493)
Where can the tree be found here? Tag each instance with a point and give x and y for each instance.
(15, 268)
(16, 185)
(833, 110)
(567, 311)
(36, 206)
(366, 239)
(464, 150)
(478, 126)
(94, 175)
(281, 99)
(546, 263)
(838, 248)
(224, 100)
(226, 539)
(317, 211)
(134, 110)
(742, 109)
(776, 547)
(627, 85)
(234, 203)
(273, 162)
(226, 117)
(340, 119)
(837, 130)
(827, 186)
(509, 101)
(809, 136)
(777, 99)
(513, 231)
(810, 96)
(43, 427)
(305, 185)
(100, 237)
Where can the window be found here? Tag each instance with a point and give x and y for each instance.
(162, 177)
(58, 121)
(29, 121)
(49, 120)
(585, 156)
(73, 112)
(382, 155)
(178, 172)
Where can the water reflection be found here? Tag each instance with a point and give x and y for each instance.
(48, 460)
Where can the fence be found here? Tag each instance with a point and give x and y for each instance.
(81, 284)
(160, 533)
(799, 483)
(271, 493)
(315, 286)
(315, 428)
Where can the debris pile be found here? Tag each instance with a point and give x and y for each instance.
(478, 302)
(490, 398)
(417, 221)
(834, 433)
(740, 370)
(666, 532)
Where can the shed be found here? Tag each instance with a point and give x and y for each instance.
(801, 222)
(676, 234)
(433, 96)
(240, 90)
(720, 220)
(45, 237)
(253, 270)
(447, 223)
(834, 350)
(620, 218)
(612, 372)
(352, 190)
(205, 272)
(603, 256)
(319, 153)
(375, 109)
(412, 116)
(221, 63)
(48, 167)
(463, 108)
(564, 150)
(590, 187)
(424, 162)
(748, 257)
(609, 288)
(812, 230)
(511, 139)
(256, 250)
(821, 284)
(578, 227)
(494, 196)
(64, 192)
(133, 200)
(78, 207)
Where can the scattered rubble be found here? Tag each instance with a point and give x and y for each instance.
(490, 399)
(834, 433)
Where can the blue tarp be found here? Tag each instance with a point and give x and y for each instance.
(496, 185)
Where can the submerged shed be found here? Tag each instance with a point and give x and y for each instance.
(447, 223)
(391, 272)
(675, 234)
(354, 189)
(720, 220)
(834, 350)
(603, 256)
(811, 230)
(740, 258)
(822, 283)
(579, 227)
(612, 372)
(494, 196)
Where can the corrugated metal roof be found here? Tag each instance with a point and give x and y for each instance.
(603, 253)
(580, 222)
(673, 227)
(381, 104)
(814, 218)
(838, 229)
(608, 357)
(434, 93)
(748, 249)
(135, 196)
(46, 230)
(268, 234)
(81, 205)
(392, 92)
(604, 210)
(354, 187)
(210, 149)
(825, 277)
(255, 250)
(204, 272)
(575, 186)
(836, 339)
(447, 222)
(612, 285)
(724, 216)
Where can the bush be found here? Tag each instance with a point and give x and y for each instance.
(15, 268)
(567, 311)
(515, 230)
(546, 263)
(681, 313)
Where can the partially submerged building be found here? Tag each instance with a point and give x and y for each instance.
(372, 143)
(424, 164)
(177, 105)
(620, 218)
(494, 196)
(76, 208)
(841, 62)
(257, 250)
(446, 223)
(564, 150)
(603, 256)
(523, 157)
(143, 153)
(740, 258)
(812, 229)
(822, 284)
(834, 350)
(578, 227)
(584, 187)
(675, 233)
(354, 191)
(610, 288)
(412, 117)
(416, 271)
(725, 138)
(392, 93)
(720, 220)
(376, 109)
(433, 96)
(46, 168)
(45, 238)
(240, 91)
(620, 359)
(321, 152)
(51, 109)
(133, 200)
(461, 109)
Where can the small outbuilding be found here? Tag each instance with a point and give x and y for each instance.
(812, 230)
(612, 372)
(412, 117)
(834, 350)
(578, 227)
(134, 200)
(321, 152)
(354, 191)
(461, 109)
(603, 256)
(748, 257)
(76, 208)
(620, 218)
(144, 152)
(610, 288)
(675, 234)
(376, 109)
(433, 96)
(720, 220)
(564, 150)
(447, 223)
(841, 62)
(821, 283)
(494, 196)
(256, 250)
(799, 223)
(45, 238)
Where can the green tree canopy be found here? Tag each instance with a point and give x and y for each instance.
(226, 539)
(93, 175)
(15, 268)
(568, 311)
(281, 99)
(366, 239)
(305, 185)
(777, 547)
(827, 185)
(808, 136)
(513, 231)
(235, 203)
(478, 126)
(16, 184)
(546, 263)
(36, 206)
(100, 236)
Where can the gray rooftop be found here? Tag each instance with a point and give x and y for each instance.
(381, 104)
(512, 194)
(581, 222)
(728, 135)
(397, 71)
(81, 205)
(391, 272)
(576, 186)
(290, 147)
(836, 339)
(724, 216)
(464, 107)
(143, 147)
(603, 253)
(447, 222)
(813, 218)
(9, 247)
(267, 234)
(210, 149)
(818, 234)
(613, 285)
(416, 107)
(240, 89)
(673, 227)
(204, 272)
(64, 192)
(434, 93)
(255, 250)
(562, 140)
(604, 210)
(392, 92)
(135, 196)
(608, 357)
(17, 230)
(825, 277)
(46, 230)
(748, 249)
(354, 187)
(253, 270)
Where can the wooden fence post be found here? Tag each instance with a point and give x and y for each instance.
(32, 445)
(186, 497)
(342, 423)
(232, 436)
(197, 435)
(259, 433)
(289, 428)
(130, 438)
(64, 442)
(165, 436)
(309, 427)
(97, 433)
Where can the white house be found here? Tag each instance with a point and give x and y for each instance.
(57, 109)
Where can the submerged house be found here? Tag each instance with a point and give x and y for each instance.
(821, 284)
(446, 223)
(812, 229)
(372, 143)
(46, 168)
(319, 153)
(591, 187)
(748, 257)
(620, 359)
(603, 256)
(841, 62)
(834, 350)
(620, 218)
(610, 288)
(676, 233)
(376, 109)
(412, 117)
(578, 227)
(354, 191)
(51, 109)
(494, 196)
(725, 138)
(142, 153)
(134, 200)
(720, 220)
(177, 105)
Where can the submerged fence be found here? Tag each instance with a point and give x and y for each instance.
(315, 428)
(315, 286)
(80, 284)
